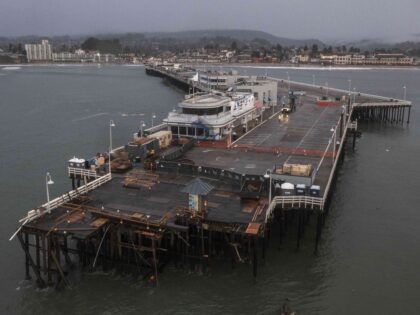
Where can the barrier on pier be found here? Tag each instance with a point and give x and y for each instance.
(294, 202)
(57, 202)
(81, 172)
(205, 171)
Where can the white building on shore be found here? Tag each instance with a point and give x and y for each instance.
(39, 52)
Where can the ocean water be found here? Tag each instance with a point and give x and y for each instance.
(369, 255)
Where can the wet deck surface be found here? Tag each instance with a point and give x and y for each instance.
(224, 205)
(300, 138)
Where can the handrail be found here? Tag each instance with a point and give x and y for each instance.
(82, 172)
(55, 203)
(306, 201)
(380, 104)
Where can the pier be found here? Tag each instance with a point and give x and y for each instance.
(200, 201)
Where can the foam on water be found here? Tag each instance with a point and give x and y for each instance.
(11, 68)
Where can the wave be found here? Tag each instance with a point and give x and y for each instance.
(320, 68)
(132, 114)
(89, 117)
(9, 68)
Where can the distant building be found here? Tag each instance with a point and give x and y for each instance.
(39, 52)
(264, 90)
(393, 59)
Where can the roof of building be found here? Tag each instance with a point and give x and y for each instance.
(197, 187)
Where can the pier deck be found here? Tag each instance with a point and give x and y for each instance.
(142, 217)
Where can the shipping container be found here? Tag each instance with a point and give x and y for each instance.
(164, 137)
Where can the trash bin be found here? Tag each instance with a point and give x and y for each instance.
(300, 189)
(287, 189)
(315, 191)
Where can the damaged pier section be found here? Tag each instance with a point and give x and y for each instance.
(144, 220)
(208, 201)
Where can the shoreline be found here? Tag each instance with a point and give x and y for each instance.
(233, 65)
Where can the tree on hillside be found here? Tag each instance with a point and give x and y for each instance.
(234, 46)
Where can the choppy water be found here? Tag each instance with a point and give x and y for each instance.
(370, 251)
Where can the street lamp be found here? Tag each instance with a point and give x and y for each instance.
(267, 175)
(349, 85)
(111, 125)
(405, 92)
(48, 181)
(334, 131)
(142, 125)
(153, 118)
(354, 94)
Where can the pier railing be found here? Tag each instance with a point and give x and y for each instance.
(156, 128)
(308, 202)
(82, 172)
(57, 202)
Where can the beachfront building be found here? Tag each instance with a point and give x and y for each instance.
(39, 52)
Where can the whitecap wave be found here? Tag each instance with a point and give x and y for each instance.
(11, 68)
(89, 117)
(131, 114)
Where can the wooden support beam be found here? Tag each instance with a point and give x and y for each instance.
(318, 231)
(41, 281)
(57, 263)
(27, 254)
(255, 257)
(155, 263)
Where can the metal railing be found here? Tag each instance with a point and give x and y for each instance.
(294, 201)
(82, 172)
(382, 104)
(57, 202)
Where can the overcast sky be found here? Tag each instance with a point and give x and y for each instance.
(322, 19)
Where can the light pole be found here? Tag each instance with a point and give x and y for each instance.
(153, 118)
(111, 125)
(405, 92)
(349, 86)
(142, 125)
(48, 181)
(326, 84)
(334, 131)
(354, 94)
(267, 175)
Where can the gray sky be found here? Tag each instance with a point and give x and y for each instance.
(322, 19)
